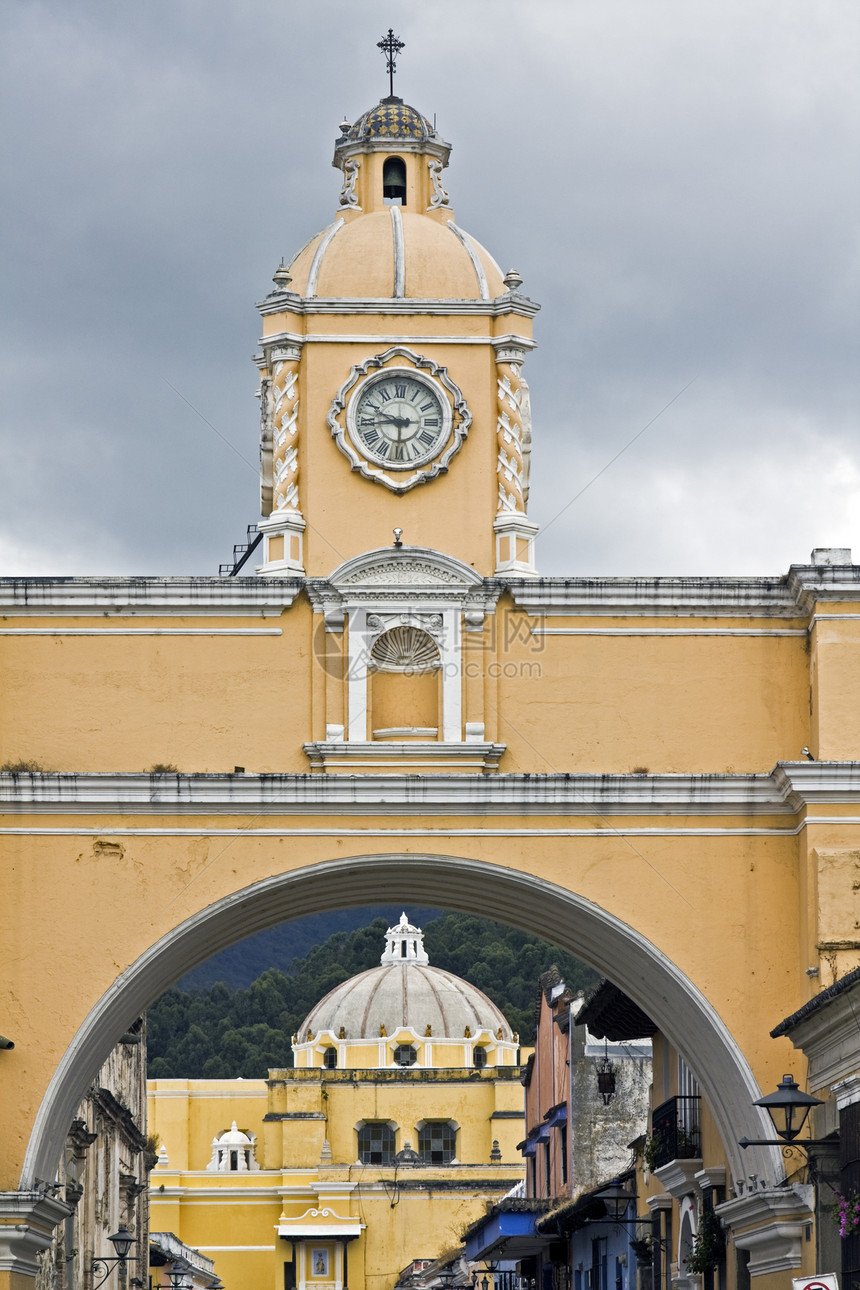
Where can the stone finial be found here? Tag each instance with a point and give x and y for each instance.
(496, 1153)
(512, 280)
(282, 277)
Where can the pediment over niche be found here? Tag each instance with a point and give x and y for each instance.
(407, 575)
(404, 566)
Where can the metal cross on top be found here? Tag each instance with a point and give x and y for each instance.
(390, 47)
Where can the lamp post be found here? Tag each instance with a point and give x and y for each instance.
(177, 1274)
(122, 1240)
(788, 1109)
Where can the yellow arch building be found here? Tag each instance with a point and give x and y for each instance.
(396, 702)
(397, 1125)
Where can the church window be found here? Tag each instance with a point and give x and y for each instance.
(330, 1059)
(405, 1055)
(394, 181)
(479, 1057)
(437, 1140)
(376, 1144)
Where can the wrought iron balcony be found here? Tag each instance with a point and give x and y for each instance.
(675, 1133)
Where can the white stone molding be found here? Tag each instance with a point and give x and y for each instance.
(472, 252)
(266, 435)
(316, 262)
(348, 197)
(381, 624)
(361, 338)
(515, 541)
(387, 757)
(439, 196)
(135, 598)
(711, 1176)
(769, 1224)
(287, 527)
(320, 1223)
(399, 253)
(773, 599)
(679, 1177)
(389, 306)
(846, 1092)
(553, 795)
(27, 1222)
(454, 404)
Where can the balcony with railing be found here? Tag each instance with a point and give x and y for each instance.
(676, 1140)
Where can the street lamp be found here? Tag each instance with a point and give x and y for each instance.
(177, 1274)
(616, 1199)
(788, 1109)
(122, 1240)
(606, 1077)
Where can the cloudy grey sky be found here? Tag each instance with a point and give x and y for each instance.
(676, 180)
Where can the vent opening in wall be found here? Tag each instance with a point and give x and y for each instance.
(394, 181)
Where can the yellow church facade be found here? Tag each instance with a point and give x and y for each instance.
(395, 704)
(398, 1124)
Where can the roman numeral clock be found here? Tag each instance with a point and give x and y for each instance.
(399, 419)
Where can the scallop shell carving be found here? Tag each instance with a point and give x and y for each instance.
(405, 649)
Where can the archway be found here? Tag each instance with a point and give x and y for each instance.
(680, 1009)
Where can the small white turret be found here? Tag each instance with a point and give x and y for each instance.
(404, 943)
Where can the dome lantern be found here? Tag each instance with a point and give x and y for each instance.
(404, 943)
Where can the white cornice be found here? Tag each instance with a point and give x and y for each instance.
(188, 597)
(792, 595)
(371, 341)
(807, 783)
(778, 794)
(510, 303)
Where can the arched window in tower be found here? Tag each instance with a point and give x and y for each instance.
(479, 1057)
(394, 181)
(330, 1059)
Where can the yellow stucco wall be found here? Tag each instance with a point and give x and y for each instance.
(307, 1148)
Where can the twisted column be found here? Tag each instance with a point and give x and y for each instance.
(285, 428)
(510, 438)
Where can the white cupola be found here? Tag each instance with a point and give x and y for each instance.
(404, 943)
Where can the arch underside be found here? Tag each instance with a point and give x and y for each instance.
(577, 925)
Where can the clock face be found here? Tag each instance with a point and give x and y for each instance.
(399, 419)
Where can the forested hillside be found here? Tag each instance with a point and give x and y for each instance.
(223, 1033)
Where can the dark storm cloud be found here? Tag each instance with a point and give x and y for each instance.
(676, 182)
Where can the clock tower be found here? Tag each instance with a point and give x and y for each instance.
(391, 362)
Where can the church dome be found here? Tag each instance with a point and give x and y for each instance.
(391, 118)
(411, 256)
(406, 993)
